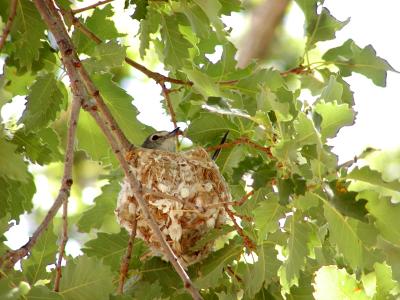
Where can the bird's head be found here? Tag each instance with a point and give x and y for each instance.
(162, 140)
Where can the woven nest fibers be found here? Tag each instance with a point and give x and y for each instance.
(184, 192)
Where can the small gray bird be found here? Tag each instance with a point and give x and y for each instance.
(162, 140)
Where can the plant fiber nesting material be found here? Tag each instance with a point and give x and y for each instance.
(184, 191)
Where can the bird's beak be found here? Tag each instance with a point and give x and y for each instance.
(174, 132)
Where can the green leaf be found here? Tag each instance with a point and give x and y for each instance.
(148, 26)
(228, 159)
(306, 202)
(386, 215)
(100, 23)
(204, 84)
(263, 175)
(40, 147)
(212, 8)
(373, 177)
(351, 58)
(175, 46)
(211, 236)
(261, 272)
(111, 247)
(16, 82)
(333, 91)
(90, 137)
(267, 216)
(208, 126)
(27, 32)
(140, 10)
(197, 18)
(211, 269)
(12, 165)
(42, 255)
(334, 116)
(105, 56)
(86, 278)
(16, 196)
(306, 132)
(360, 236)
(324, 26)
(385, 285)
(299, 235)
(45, 100)
(320, 26)
(338, 283)
(104, 206)
(42, 292)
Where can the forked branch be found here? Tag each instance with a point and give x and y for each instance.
(12, 257)
(107, 124)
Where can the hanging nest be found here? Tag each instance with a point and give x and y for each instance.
(184, 192)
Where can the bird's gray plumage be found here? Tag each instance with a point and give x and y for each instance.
(162, 140)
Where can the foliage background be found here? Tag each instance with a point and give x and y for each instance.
(316, 252)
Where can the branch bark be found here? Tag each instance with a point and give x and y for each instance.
(107, 124)
(12, 257)
(265, 19)
(61, 252)
(10, 20)
(123, 271)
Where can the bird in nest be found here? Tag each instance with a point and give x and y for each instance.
(184, 191)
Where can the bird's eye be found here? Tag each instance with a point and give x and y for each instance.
(155, 137)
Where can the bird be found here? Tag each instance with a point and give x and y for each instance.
(162, 140)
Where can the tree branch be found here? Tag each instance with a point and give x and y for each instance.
(79, 10)
(13, 256)
(123, 270)
(64, 240)
(239, 141)
(10, 20)
(265, 19)
(79, 76)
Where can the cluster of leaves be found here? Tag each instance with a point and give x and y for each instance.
(316, 226)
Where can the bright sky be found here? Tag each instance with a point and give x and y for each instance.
(378, 120)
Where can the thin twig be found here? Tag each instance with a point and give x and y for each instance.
(61, 252)
(157, 77)
(7, 28)
(75, 69)
(169, 104)
(75, 21)
(233, 203)
(239, 141)
(79, 10)
(123, 270)
(171, 110)
(13, 256)
(247, 241)
(233, 274)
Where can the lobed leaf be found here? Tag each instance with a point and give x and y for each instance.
(351, 58)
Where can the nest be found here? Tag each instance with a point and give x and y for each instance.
(184, 192)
